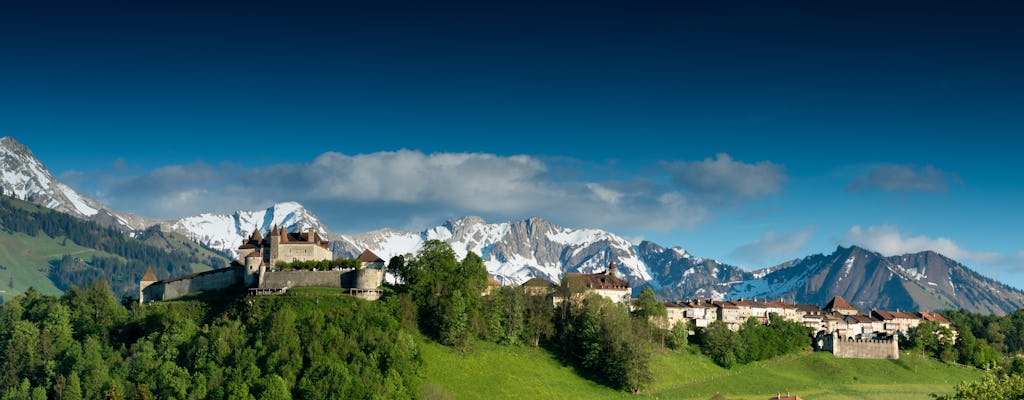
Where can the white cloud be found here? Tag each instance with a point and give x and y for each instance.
(889, 241)
(903, 178)
(722, 176)
(404, 188)
(773, 245)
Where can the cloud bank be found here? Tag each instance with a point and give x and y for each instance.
(411, 189)
(903, 178)
(890, 241)
(726, 178)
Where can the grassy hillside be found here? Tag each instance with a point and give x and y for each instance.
(492, 371)
(34, 241)
(25, 261)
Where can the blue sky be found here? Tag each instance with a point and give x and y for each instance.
(747, 132)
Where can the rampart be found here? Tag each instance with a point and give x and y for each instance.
(173, 288)
(851, 348)
(299, 278)
(363, 283)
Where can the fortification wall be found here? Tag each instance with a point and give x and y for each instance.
(210, 280)
(299, 278)
(843, 348)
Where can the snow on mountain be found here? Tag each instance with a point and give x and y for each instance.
(25, 178)
(226, 231)
(512, 251)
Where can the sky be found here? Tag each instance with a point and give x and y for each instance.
(748, 132)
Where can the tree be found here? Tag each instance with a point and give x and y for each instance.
(719, 343)
(677, 337)
(990, 387)
(396, 266)
(538, 320)
(652, 313)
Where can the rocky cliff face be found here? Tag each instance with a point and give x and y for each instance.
(25, 178)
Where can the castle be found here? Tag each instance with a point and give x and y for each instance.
(256, 270)
(285, 246)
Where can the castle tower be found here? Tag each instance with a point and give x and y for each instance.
(148, 278)
(275, 243)
(253, 264)
(611, 269)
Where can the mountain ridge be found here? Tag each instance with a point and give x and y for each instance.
(515, 251)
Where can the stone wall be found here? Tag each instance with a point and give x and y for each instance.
(209, 280)
(844, 348)
(301, 278)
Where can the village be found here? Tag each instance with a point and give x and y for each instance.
(837, 327)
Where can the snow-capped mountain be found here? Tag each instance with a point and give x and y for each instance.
(225, 232)
(513, 251)
(519, 250)
(920, 281)
(25, 178)
(683, 276)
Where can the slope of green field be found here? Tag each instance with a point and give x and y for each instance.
(25, 261)
(491, 371)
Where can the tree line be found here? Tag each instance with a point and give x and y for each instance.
(86, 345)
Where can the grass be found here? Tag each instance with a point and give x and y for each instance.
(492, 371)
(26, 261)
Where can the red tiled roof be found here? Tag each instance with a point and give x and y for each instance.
(149, 276)
(369, 257)
(839, 303)
(599, 281)
(807, 308)
(492, 282)
(890, 315)
(724, 304)
(254, 253)
(860, 319)
(933, 316)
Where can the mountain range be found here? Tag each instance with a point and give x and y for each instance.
(516, 251)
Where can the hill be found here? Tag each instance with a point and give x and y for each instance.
(498, 372)
(51, 251)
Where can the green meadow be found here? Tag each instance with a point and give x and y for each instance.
(491, 371)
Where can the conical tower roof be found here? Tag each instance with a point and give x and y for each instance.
(149, 276)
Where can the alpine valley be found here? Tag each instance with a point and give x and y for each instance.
(515, 251)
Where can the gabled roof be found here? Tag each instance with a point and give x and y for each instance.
(149, 276)
(724, 304)
(599, 281)
(859, 319)
(933, 316)
(808, 308)
(839, 303)
(891, 315)
(369, 257)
